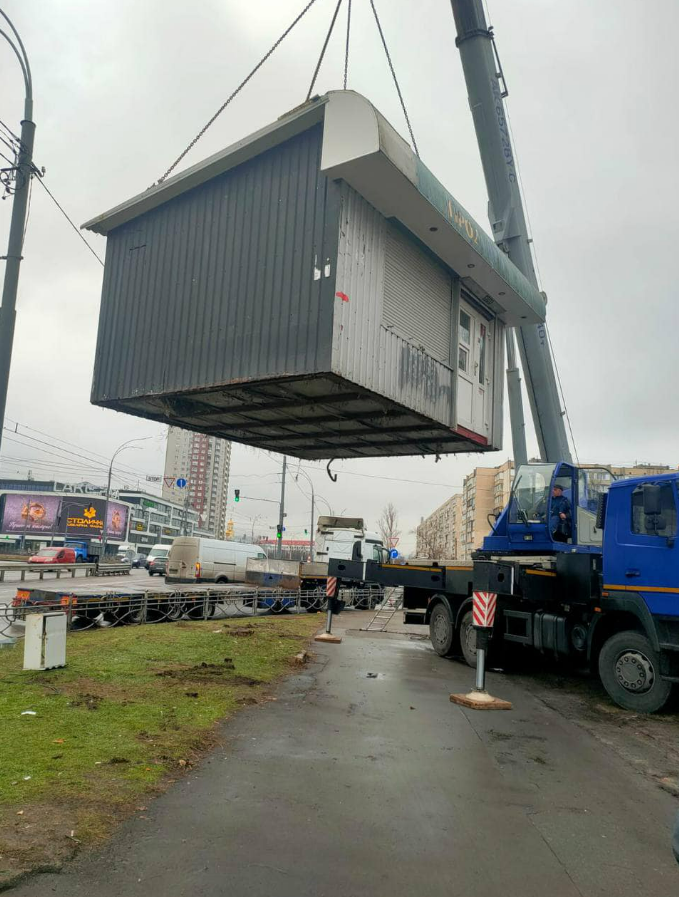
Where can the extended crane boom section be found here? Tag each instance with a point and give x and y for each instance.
(485, 87)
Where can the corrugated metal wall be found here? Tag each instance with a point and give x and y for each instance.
(226, 282)
(417, 295)
(364, 350)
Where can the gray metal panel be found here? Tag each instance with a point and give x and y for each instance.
(218, 286)
(416, 378)
(364, 351)
(360, 277)
(417, 295)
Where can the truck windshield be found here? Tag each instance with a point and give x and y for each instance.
(530, 493)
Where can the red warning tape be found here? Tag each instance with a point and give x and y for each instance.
(485, 604)
(331, 586)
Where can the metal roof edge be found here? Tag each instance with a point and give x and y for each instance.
(363, 148)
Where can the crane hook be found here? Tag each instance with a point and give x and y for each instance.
(333, 476)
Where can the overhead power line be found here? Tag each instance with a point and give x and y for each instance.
(88, 452)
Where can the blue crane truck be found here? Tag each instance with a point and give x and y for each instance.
(603, 591)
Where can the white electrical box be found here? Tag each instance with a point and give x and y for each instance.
(45, 641)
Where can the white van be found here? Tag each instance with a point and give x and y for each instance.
(192, 559)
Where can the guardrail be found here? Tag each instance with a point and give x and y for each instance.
(41, 569)
(111, 609)
(113, 568)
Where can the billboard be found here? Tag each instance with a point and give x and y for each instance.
(30, 514)
(86, 518)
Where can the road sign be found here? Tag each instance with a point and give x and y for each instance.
(154, 479)
(181, 483)
(393, 541)
(484, 607)
(393, 554)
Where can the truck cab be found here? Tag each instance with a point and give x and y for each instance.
(346, 538)
(552, 508)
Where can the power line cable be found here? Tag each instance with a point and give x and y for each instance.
(65, 214)
(102, 467)
(323, 49)
(54, 438)
(11, 133)
(393, 75)
(11, 146)
(235, 92)
(104, 462)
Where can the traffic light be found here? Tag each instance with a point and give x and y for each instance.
(279, 532)
(306, 532)
(236, 495)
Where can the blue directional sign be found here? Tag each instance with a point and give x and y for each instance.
(181, 482)
(393, 554)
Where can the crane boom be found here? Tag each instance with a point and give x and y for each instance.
(507, 218)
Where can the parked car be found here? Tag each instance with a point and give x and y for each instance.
(193, 559)
(53, 555)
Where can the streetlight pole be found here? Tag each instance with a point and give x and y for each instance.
(22, 172)
(281, 514)
(104, 532)
(313, 512)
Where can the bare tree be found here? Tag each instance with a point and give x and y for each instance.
(431, 544)
(388, 524)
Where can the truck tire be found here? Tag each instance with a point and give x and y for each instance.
(629, 667)
(468, 639)
(441, 630)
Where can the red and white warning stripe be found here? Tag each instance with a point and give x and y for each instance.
(331, 586)
(485, 604)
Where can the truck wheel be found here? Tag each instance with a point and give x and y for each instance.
(441, 630)
(629, 667)
(468, 639)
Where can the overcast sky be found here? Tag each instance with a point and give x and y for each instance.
(121, 88)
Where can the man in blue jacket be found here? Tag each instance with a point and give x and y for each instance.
(560, 515)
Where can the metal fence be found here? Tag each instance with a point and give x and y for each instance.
(165, 607)
(23, 568)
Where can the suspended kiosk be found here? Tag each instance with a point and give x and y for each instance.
(313, 290)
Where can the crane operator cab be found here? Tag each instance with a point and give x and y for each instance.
(552, 507)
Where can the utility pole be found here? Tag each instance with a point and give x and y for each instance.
(281, 515)
(104, 533)
(22, 179)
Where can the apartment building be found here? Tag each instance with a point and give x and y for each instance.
(438, 536)
(204, 462)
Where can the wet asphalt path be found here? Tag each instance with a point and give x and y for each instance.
(354, 785)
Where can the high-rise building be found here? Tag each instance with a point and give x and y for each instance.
(203, 461)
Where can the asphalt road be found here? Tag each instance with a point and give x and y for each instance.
(354, 784)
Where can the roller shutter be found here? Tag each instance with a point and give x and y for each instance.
(417, 295)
